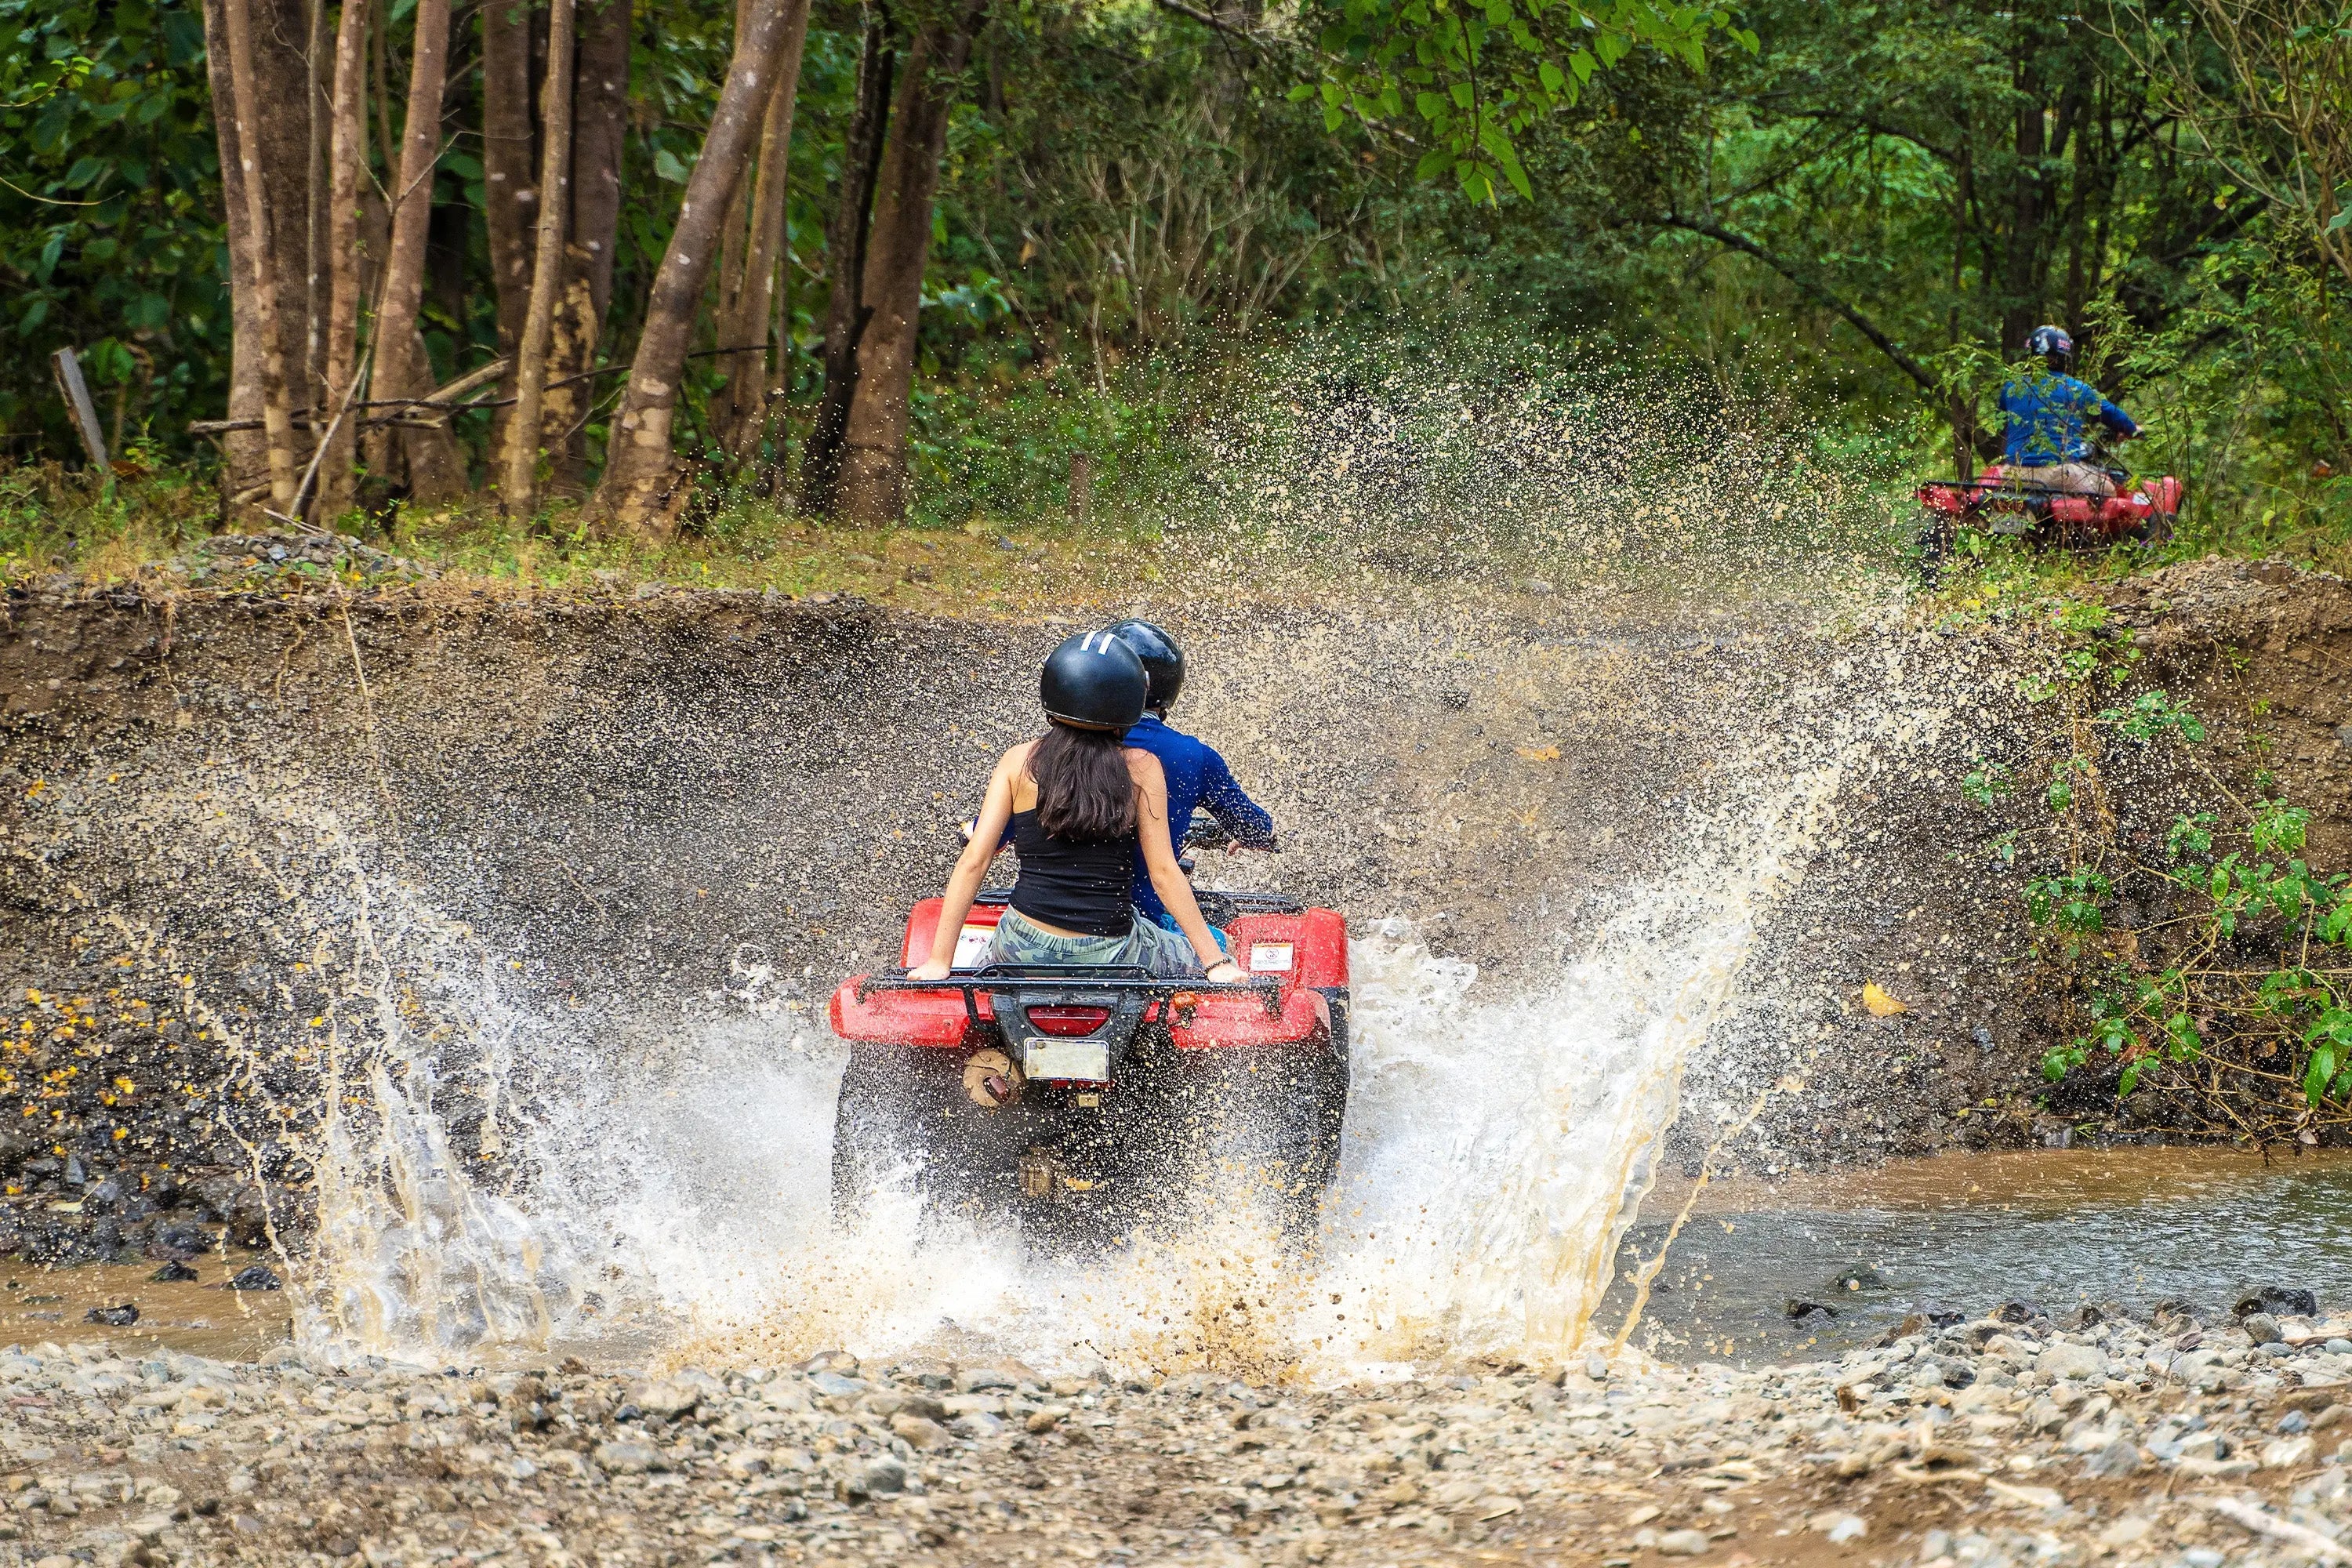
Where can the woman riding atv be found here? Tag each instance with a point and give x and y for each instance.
(1081, 804)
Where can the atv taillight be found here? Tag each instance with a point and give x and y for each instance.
(1066, 1021)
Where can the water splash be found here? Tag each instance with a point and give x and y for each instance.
(494, 1179)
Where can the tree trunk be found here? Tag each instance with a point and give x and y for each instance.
(846, 238)
(873, 484)
(276, 415)
(731, 232)
(245, 454)
(387, 150)
(280, 29)
(508, 206)
(743, 416)
(522, 487)
(640, 468)
(319, 126)
(600, 121)
(2020, 271)
(347, 168)
(273, 31)
(571, 341)
(600, 116)
(401, 370)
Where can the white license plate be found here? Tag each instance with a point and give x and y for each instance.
(2012, 525)
(1066, 1061)
(972, 947)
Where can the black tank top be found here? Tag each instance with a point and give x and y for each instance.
(1077, 887)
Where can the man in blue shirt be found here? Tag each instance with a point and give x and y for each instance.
(2048, 440)
(1197, 776)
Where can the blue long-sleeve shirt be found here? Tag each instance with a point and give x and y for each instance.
(2049, 416)
(1197, 778)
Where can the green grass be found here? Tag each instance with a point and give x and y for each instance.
(52, 521)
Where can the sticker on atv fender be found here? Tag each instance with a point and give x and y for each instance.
(972, 946)
(1267, 957)
(2010, 525)
(1066, 1061)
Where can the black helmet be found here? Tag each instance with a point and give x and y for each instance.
(1163, 661)
(1094, 681)
(2051, 342)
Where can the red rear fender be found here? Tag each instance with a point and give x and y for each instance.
(901, 1017)
(977, 925)
(1224, 1021)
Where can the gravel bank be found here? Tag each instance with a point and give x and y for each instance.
(1964, 1445)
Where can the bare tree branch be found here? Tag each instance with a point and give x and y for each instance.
(1814, 290)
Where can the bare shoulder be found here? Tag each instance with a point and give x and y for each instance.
(1016, 761)
(1143, 767)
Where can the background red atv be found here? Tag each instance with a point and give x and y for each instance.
(2002, 500)
(1033, 1089)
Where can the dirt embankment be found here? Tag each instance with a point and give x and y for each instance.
(1917, 892)
(247, 830)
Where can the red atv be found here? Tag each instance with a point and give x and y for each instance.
(1029, 1090)
(2004, 501)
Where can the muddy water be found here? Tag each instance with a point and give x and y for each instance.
(1969, 1232)
(200, 1316)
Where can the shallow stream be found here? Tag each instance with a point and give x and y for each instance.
(2053, 1229)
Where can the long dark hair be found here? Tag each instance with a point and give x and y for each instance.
(1085, 792)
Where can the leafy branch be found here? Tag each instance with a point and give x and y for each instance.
(2234, 980)
(1479, 74)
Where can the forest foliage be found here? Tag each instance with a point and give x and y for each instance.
(1855, 208)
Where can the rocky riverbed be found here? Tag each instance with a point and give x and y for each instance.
(2003, 1440)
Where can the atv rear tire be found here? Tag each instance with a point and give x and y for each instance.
(868, 1119)
(1272, 1118)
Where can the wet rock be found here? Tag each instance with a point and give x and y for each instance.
(2066, 1360)
(982, 1379)
(2016, 1312)
(2288, 1452)
(173, 1272)
(920, 1432)
(255, 1277)
(1914, 1323)
(666, 1400)
(831, 1385)
(179, 1243)
(120, 1317)
(1839, 1527)
(625, 1459)
(1802, 1311)
(2282, 1301)
(884, 1476)
(2117, 1458)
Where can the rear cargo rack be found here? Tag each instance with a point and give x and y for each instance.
(1118, 979)
(1244, 903)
